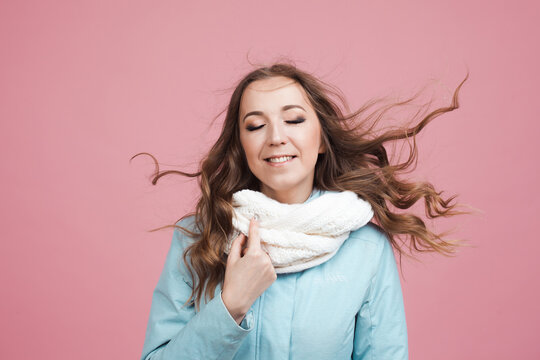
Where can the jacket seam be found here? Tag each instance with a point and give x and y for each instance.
(259, 328)
(370, 297)
(371, 350)
(292, 317)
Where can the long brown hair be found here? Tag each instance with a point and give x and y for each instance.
(355, 159)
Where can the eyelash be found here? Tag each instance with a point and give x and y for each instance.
(297, 121)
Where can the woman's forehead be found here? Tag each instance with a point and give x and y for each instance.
(272, 91)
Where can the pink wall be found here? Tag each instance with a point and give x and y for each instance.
(86, 85)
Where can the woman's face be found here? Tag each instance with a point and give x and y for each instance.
(276, 119)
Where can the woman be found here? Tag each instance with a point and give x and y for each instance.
(312, 277)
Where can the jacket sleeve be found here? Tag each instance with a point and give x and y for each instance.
(381, 329)
(177, 332)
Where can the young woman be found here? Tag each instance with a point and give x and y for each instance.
(292, 239)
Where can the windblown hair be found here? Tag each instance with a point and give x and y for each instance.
(355, 159)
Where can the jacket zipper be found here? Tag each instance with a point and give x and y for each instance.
(258, 339)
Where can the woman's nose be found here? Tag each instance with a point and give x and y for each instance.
(277, 134)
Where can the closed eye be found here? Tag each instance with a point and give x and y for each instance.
(297, 121)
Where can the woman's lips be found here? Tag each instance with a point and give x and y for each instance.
(280, 163)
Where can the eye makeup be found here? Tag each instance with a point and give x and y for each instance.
(298, 120)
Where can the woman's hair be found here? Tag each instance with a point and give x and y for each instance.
(355, 159)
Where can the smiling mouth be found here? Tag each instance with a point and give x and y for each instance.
(287, 158)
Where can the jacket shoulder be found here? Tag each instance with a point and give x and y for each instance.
(180, 241)
(370, 232)
(183, 238)
(371, 242)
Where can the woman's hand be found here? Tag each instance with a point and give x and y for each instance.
(248, 274)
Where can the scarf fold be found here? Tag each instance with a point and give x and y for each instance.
(300, 236)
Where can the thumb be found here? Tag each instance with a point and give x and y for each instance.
(234, 252)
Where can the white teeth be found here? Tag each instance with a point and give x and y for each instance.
(280, 159)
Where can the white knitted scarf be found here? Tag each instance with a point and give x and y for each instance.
(300, 236)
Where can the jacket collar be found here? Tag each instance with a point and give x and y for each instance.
(315, 193)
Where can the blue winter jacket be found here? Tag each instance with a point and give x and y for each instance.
(349, 307)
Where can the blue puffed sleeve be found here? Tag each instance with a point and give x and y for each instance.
(381, 329)
(175, 331)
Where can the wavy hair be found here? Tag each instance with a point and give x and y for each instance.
(355, 159)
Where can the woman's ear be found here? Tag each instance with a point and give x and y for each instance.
(322, 147)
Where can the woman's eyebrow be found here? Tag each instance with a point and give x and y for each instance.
(284, 108)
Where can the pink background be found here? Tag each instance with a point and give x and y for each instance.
(86, 85)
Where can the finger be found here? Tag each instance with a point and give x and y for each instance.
(254, 242)
(236, 246)
(265, 249)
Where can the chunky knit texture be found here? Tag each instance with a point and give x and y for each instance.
(300, 236)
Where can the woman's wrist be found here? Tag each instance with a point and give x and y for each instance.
(237, 313)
